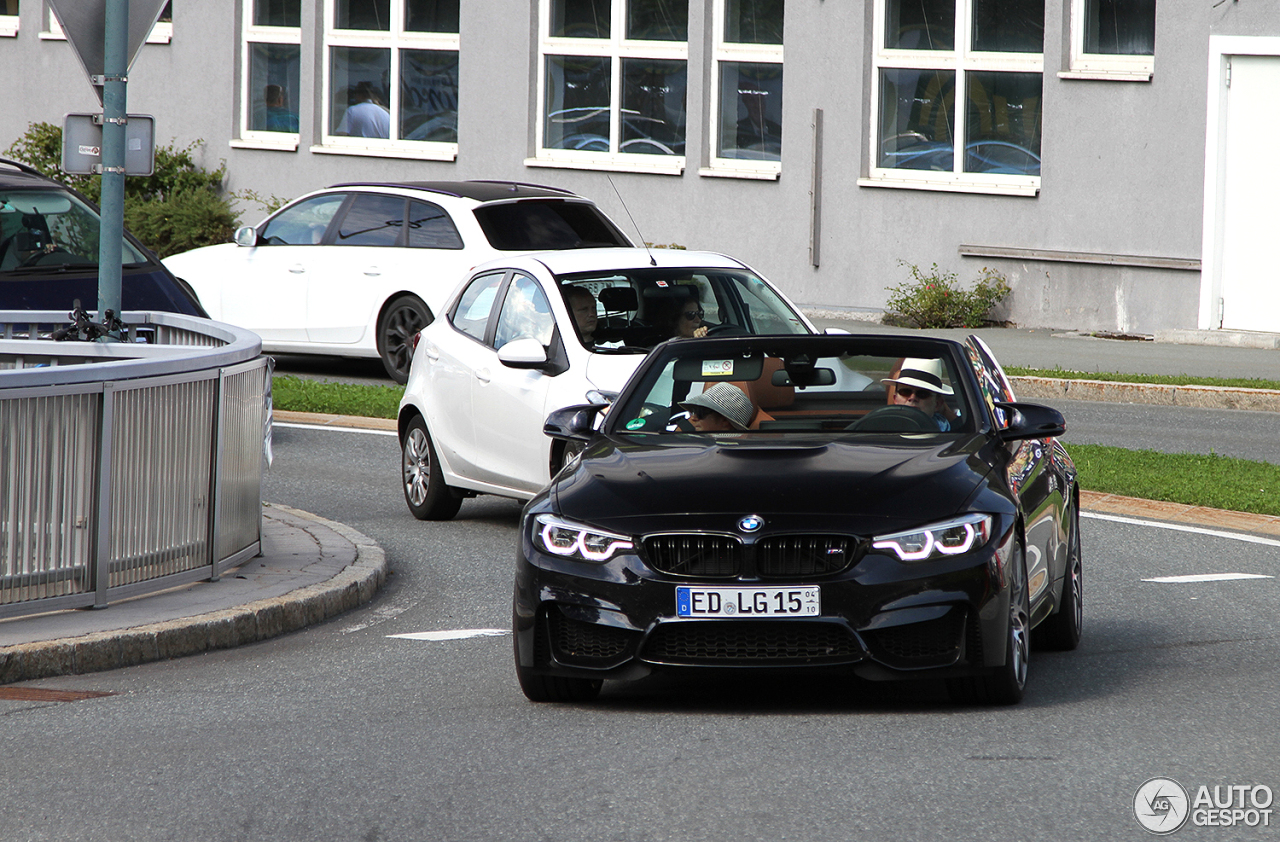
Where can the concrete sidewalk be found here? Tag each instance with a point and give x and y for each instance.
(312, 569)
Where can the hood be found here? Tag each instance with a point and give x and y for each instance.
(861, 487)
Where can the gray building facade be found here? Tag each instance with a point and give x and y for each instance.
(1114, 159)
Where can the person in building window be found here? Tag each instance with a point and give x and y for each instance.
(279, 117)
(919, 385)
(366, 116)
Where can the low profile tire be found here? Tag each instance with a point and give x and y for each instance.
(1061, 631)
(554, 688)
(422, 481)
(403, 318)
(1007, 684)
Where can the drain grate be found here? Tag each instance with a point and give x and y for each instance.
(41, 694)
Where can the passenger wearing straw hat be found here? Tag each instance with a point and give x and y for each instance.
(919, 385)
(722, 408)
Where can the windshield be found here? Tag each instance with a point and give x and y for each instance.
(48, 228)
(639, 308)
(788, 392)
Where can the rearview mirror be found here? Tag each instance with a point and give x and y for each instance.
(573, 423)
(1031, 421)
(523, 353)
(246, 236)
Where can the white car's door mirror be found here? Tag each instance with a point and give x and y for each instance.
(523, 353)
(246, 236)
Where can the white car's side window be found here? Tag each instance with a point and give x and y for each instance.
(302, 224)
(471, 316)
(526, 314)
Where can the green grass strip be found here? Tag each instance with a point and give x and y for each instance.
(1159, 379)
(296, 394)
(1219, 482)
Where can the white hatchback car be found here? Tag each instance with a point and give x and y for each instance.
(525, 336)
(357, 270)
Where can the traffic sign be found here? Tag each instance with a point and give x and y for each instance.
(84, 24)
(82, 144)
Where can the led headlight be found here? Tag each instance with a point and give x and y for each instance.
(951, 537)
(573, 540)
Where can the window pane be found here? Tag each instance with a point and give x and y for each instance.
(1120, 27)
(277, 13)
(1008, 26)
(580, 18)
(362, 14)
(1003, 123)
(750, 111)
(372, 220)
(534, 226)
(358, 89)
(431, 228)
(429, 95)
(917, 119)
(471, 316)
(302, 224)
(753, 21)
(920, 24)
(653, 106)
(658, 20)
(273, 86)
(526, 314)
(431, 15)
(577, 103)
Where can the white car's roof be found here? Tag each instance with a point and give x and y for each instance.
(570, 261)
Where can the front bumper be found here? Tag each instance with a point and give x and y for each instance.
(881, 619)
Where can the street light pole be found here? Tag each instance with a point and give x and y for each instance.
(115, 68)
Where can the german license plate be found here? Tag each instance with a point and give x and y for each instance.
(747, 602)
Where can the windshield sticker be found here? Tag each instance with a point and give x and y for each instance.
(717, 368)
(635, 424)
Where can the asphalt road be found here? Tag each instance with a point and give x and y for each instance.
(343, 732)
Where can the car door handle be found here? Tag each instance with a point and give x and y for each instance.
(482, 374)
(432, 353)
(373, 271)
(297, 269)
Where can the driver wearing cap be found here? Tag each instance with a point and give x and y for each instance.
(919, 385)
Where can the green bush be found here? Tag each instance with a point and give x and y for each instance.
(180, 206)
(932, 299)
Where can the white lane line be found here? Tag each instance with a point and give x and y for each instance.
(1177, 527)
(333, 429)
(455, 634)
(1208, 577)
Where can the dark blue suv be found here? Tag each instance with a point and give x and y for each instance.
(49, 252)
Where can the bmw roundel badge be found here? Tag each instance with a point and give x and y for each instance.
(751, 523)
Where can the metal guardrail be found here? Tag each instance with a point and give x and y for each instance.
(126, 467)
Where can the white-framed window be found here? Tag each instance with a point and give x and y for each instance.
(1112, 39)
(8, 18)
(612, 84)
(269, 69)
(161, 33)
(391, 78)
(957, 88)
(746, 89)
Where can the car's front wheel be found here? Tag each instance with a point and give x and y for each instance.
(1004, 686)
(425, 491)
(402, 319)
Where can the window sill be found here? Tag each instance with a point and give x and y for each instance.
(660, 166)
(1108, 75)
(955, 185)
(286, 143)
(771, 174)
(448, 153)
(9, 26)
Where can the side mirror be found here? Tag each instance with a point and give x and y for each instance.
(523, 353)
(246, 236)
(573, 423)
(1031, 421)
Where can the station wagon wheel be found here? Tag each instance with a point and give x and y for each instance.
(422, 480)
(1061, 631)
(403, 318)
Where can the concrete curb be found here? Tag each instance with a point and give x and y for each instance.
(1206, 397)
(355, 585)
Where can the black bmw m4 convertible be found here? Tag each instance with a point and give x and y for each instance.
(879, 505)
